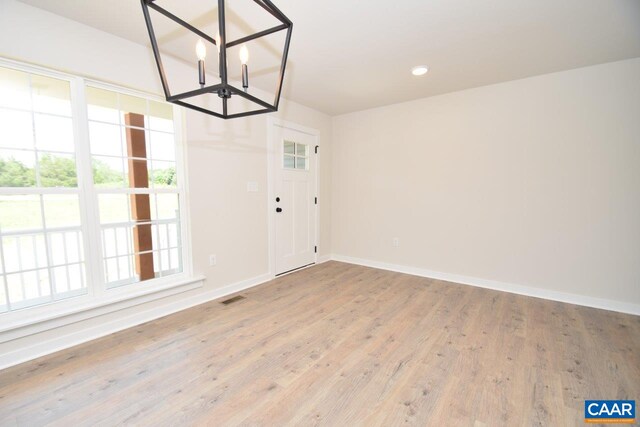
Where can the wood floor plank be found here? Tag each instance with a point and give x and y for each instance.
(339, 344)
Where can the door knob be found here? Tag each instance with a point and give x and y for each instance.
(278, 210)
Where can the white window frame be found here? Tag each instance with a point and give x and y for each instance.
(98, 294)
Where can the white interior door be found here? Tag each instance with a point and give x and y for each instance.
(295, 199)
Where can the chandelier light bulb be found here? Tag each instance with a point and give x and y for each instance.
(201, 50)
(218, 41)
(244, 54)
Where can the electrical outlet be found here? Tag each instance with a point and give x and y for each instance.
(396, 242)
(212, 260)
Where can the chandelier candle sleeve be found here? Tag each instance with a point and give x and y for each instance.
(218, 44)
(201, 52)
(244, 58)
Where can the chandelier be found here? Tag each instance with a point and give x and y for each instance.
(223, 88)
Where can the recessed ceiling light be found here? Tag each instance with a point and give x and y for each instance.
(420, 70)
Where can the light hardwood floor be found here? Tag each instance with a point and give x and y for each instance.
(340, 345)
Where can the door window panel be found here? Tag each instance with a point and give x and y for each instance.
(295, 155)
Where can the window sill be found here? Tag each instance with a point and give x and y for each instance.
(31, 321)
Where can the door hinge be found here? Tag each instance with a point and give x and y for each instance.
(316, 200)
(316, 149)
(315, 249)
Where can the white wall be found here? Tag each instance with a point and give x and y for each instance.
(222, 157)
(533, 183)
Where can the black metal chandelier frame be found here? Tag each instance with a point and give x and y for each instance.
(224, 89)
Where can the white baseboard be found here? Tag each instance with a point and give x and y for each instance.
(605, 304)
(24, 354)
(323, 259)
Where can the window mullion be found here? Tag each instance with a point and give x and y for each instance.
(184, 230)
(88, 199)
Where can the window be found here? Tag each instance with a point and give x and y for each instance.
(295, 155)
(133, 158)
(41, 239)
(90, 198)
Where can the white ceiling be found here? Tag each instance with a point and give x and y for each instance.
(352, 55)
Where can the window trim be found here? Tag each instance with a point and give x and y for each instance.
(98, 293)
(77, 309)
